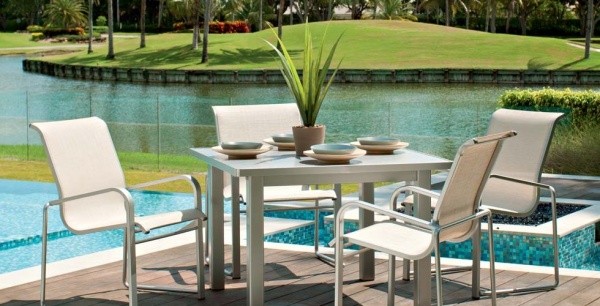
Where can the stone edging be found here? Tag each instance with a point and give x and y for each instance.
(273, 76)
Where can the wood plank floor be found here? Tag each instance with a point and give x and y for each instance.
(292, 278)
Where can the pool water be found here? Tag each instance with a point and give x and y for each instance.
(21, 205)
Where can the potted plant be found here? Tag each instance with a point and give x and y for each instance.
(309, 88)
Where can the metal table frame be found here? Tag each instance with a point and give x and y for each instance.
(277, 168)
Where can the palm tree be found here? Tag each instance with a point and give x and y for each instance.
(206, 29)
(394, 9)
(196, 35)
(66, 13)
(111, 49)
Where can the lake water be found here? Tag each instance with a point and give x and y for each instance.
(170, 118)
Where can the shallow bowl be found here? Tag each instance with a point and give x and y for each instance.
(333, 148)
(283, 138)
(240, 145)
(370, 141)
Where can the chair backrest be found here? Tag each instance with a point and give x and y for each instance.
(521, 157)
(82, 158)
(461, 193)
(255, 122)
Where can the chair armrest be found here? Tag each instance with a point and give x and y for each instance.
(525, 182)
(478, 215)
(390, 213)
(185, 177)
(122, 191)
(415, 189)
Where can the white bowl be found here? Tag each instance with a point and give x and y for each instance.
(240, 145)
(333, 148)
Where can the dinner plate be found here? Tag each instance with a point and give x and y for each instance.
(242, 153)
(240, 145)
(335, 158)
(380, 149)
(377, 140)
(281, 146)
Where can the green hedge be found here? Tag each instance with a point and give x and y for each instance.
(580, 106)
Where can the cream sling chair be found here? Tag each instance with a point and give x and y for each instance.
(93, 197)
(513, 188)
(255, 123)
(455, 218)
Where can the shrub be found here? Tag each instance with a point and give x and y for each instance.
(581, 107)
(35, 29)
(37, 36)
(178, 26)
(101, 21)
(575, 150)
(53, 32)
(101, 29)
(228, 27)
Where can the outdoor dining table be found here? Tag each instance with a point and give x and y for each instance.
(281, 168)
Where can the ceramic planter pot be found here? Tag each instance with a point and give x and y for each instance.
(305, 136)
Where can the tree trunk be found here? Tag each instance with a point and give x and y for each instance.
(291, 12)
(90, 25)
(487, 16)
(119, 14)
(260, 15)
(447, 13)
(161, 7)
(207, 4)
(280, 19)
(143, 24)
(493, 16)
(523, 23)
(509, 11)
(588, 28)
(374, 9)
(196, 35)
(111, 50)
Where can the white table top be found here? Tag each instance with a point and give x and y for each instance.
(275, 163)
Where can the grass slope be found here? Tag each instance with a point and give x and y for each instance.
(367, 44)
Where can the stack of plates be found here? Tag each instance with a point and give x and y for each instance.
(334, 153)
(379, 145)
(241, 149)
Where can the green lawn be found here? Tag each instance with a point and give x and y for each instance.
(367, 44)
(20, 43)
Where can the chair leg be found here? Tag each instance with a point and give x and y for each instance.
(131, 264)
(492, 259)
(391, 280)
(235, 230)
(44, 259)
(406, 269)
(476, 263)
(339, 267)
(200, 262)
(438, 272)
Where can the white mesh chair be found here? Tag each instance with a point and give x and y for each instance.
(513, 188)
(455, 218)
(255, 123)
(93, 197)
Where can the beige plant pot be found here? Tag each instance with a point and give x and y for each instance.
(305, 136)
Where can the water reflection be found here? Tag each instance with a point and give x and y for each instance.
(434, 118)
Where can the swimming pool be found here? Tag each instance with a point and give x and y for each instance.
(21, 206)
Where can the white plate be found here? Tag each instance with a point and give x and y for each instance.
(281, 146)
(242, 153)
(283, 138)
(380, 149)
(335, 158)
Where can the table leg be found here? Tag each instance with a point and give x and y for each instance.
(366, 261)
(235, 227)
(422, 209)
(215, 224)
(255, 233)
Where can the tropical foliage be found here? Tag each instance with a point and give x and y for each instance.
(66, 13)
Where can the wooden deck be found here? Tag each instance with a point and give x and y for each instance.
(292, 278)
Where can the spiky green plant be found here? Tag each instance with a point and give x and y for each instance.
(310, 89)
